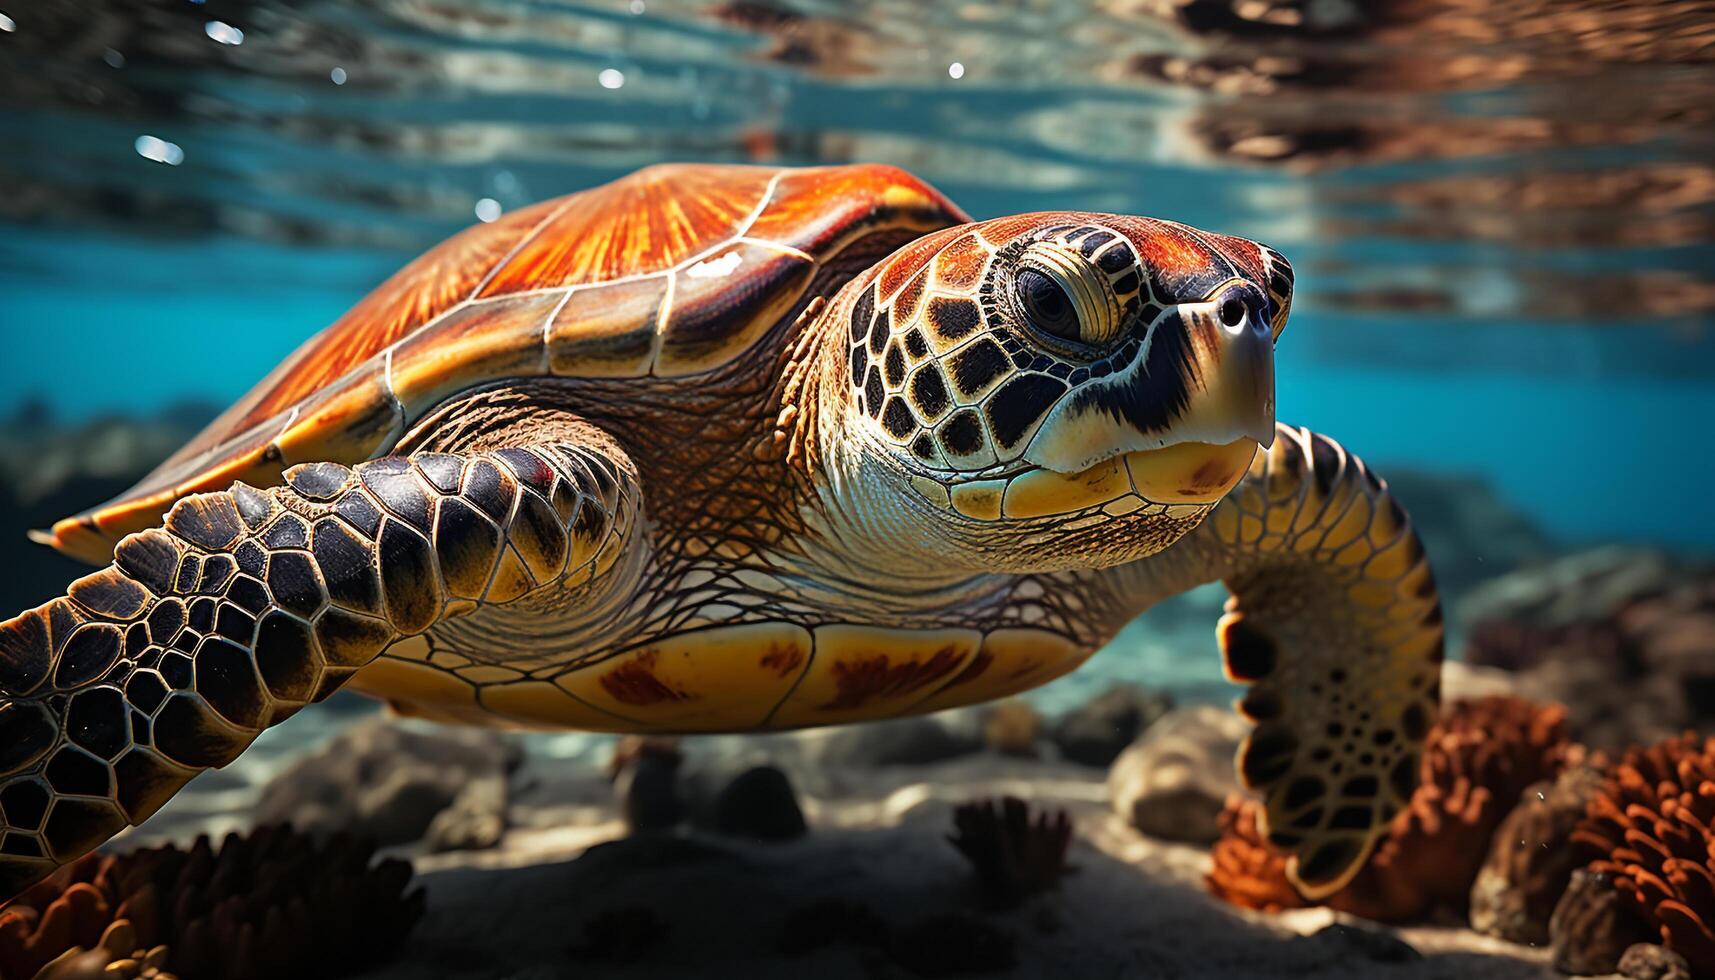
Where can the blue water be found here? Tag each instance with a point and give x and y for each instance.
(1502, 273)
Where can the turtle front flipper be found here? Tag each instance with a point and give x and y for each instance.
(1335, 622)
(249, 604)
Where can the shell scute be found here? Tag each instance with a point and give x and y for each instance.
(642, 224)
(672, 271)
(429, 286)
(718, 314)
(607, 331)
(819, 210)
(491, 339)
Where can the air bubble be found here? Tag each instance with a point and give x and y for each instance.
(223, 33)
(159, 150)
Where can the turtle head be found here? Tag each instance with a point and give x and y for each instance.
(1065, 389)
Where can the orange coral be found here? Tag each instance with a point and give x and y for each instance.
(1479, 757)
(274, 904)
(1653, 826)
(1247, 872)
(78, 912)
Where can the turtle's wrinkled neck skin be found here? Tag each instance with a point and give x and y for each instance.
(867, 533)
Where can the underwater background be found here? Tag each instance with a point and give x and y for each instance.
(1501, 215)
(1502, 218)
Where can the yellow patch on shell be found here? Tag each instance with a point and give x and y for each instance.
(862, 672)
(1011, 660)
(488, 674)
(114, 523)
(723, 679)
(257, 468)
(418, 690)
(74, 537)
(905, 197)
(542, 705)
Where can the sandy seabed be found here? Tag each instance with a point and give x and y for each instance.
(698, 905)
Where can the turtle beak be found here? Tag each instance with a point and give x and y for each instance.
(1198, 380)
(1236, 367)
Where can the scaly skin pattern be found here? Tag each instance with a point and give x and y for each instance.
(1335, 623)
(938, 478)
(251, 603)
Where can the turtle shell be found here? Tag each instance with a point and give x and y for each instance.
(670, 272)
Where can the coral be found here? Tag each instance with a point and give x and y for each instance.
(1478, 759)
(1246, 871)
(1013, 855)
(1651, 827)
(63, 930)
(102, 963)
(273, 904)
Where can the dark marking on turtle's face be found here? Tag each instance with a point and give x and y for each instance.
(1129, 358)
(1069, 338)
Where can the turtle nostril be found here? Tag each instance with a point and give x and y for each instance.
(1233, 312)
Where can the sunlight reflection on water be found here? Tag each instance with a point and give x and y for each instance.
(1501, 213)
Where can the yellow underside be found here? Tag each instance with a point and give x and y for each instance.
(737, 678)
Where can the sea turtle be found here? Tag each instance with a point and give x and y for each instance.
(724, 448)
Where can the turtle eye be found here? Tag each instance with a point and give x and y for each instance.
(1047, 305)
(1066, 298)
